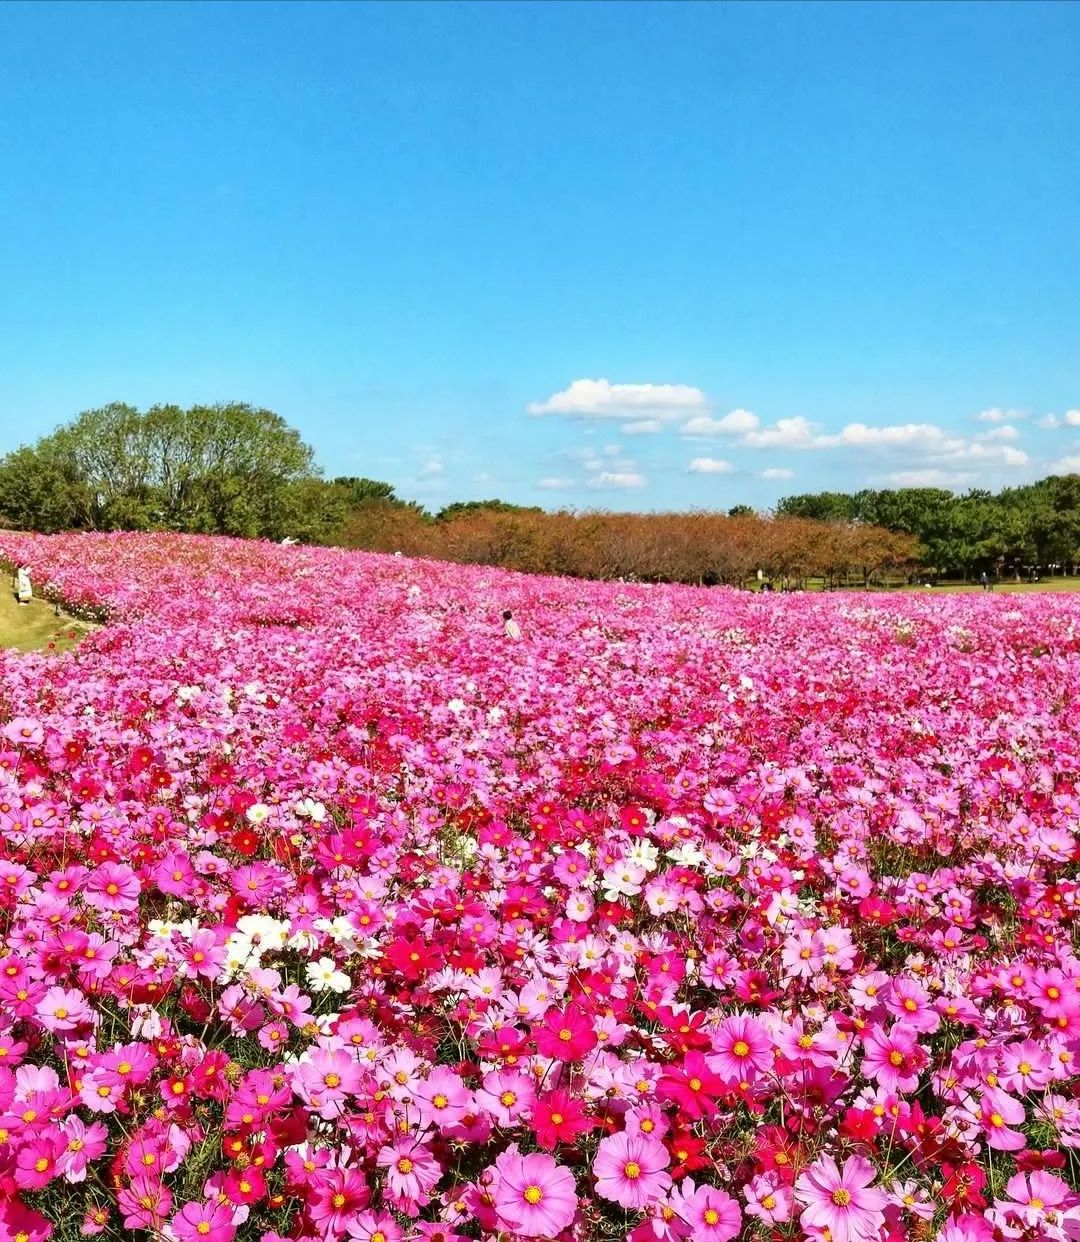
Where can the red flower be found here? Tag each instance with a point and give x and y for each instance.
(687, 1154)
(413, 958)
(558, 1118)
(565, 1034)
(692, 1086)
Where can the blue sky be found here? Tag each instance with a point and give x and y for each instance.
(619, 255)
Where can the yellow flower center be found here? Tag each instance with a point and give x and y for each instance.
(841, 1197)
(533, 1194)
(632, 1170)
(741, 1048)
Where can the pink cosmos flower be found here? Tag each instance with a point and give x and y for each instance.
(337, 1195)
(742, 1049)
(37, 1162)
(534, 1196)
(113, 886)
(507, 1095)
(1036, 1199)
(373, 1227)
(411, 1173)
(565, 1034)
(64, 1009)
(894, 1058)
(326, 1079)
(204, 1222)
(768, 1199)
(999, 1112)
(713, 1215)
(841, 1200)
(630, 1169)
(85, 1144)
(443, 1099)
(22, 1224)
(911, 1003)
(144, 1203)
(693, 1085)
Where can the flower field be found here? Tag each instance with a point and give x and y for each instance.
(327, 911)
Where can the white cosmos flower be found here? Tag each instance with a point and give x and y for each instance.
(304, 942)
(339, 929)
(257, 813)
(623, 880)
(579, 906)
(457, 706)
(686, 854)
(643, 853)
(266, 933)
(782, 906)
(324, 976)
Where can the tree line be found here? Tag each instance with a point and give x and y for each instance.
(1013, 531)
(236, 469)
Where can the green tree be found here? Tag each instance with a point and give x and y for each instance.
(222, 469)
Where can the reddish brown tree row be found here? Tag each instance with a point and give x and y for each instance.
(691, 547)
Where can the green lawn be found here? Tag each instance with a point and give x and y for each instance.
(1007, 587)
(35, 627)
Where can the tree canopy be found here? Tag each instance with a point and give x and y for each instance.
(229, 469)
(1036, 524)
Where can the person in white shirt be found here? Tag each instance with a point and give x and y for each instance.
(24, 592)
(510, 627)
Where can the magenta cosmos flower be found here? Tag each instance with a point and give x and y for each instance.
(533, 1195)
(841, 1200)
(742, 1049)
(204, 1222)
(630, 1170)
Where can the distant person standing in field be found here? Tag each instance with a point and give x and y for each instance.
(510, 627)
(24, 592)
(985, 581)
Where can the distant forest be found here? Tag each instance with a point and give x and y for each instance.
(235, 469)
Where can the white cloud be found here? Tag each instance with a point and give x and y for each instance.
(430, 468)
(710, 465)
(554, 484)
(997, 434)
(738, 422)
(642, 427)
(1066, 465)
(617, 479)
(587, 398)
(929, 478)
(778, 472)
(784, 433)
(901, 435)
(1003, 453)
(997, 415)
(1071, 418)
